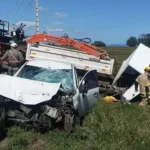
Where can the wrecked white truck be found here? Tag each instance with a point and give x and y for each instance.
(44, 93)
(56, 85)
(132, 67)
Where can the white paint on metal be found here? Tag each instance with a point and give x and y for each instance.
(123, 67)
(49, 64)
(131, 93)
(27, 91)
(138, 60)
(77, 58)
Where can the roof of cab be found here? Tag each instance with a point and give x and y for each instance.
(49, 64)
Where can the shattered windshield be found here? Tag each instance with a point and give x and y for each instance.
(65, 76)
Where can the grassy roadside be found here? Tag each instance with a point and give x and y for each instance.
(119, 54)
(107, 126)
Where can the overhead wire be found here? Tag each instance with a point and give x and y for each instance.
(10, 12)
(17, 2)
(90, 30)
(18, 8)
(25, 8)
(21, 4)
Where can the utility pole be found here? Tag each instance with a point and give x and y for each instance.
(10, 16)
(37, 17)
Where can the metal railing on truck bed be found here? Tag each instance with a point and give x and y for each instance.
(80, 59)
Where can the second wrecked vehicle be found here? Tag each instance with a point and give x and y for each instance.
(130, 69)
(43, 93)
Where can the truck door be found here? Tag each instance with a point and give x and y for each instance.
(89, 92)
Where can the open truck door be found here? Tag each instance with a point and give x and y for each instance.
(89, 91)
(132, 67)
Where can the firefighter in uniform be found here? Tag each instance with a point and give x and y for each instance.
(14, 58)
(143, 81)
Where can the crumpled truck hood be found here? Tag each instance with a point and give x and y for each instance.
(26, 91)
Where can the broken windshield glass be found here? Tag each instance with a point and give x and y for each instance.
(63, 76)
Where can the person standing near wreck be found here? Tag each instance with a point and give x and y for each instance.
(14, 58)
(143, 81)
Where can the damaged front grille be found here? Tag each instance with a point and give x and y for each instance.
(43, 115)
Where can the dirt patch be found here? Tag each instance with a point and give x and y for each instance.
(4, 143)
(38, 145)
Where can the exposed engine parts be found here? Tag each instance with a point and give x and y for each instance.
(41, 116)
(51, 112)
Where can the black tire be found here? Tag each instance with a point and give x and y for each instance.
(71, 121)
(45, 122)
(68, 122)
(2, 122)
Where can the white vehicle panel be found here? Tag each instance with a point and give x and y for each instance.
(27, 91)
(49, 64)
(81, 60)
(138, 60)
(131, 93)
(123, 67)
(141, 58)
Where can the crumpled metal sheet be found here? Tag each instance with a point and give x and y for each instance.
(26, 91)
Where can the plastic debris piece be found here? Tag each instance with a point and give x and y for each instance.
(109, 99)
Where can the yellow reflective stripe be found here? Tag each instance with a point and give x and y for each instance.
(46, 50)
(33, 53)
(137, 80)
(144, 84)
(143, 95)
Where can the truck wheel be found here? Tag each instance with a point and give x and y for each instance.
(2, 122)
(45, 122)
(71, 121)
(68, 122)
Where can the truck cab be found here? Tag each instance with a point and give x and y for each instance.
(48, 91)
(85, 91)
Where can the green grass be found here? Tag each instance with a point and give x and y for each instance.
(119, 54)
(106, 127)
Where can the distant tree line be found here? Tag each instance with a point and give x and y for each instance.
(99, 44)
(143, 38)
